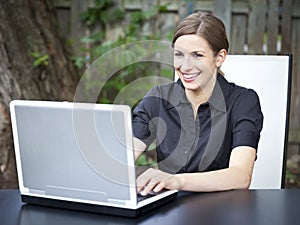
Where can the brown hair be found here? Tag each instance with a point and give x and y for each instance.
(207, 26)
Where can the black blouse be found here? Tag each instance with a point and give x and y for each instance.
(232, 117)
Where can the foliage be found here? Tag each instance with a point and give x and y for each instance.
(102, 13)
(148, 158)
(144, 160)
(40, 60)
(106, 14)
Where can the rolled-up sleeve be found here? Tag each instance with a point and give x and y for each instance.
(143, 113)
(247, 120)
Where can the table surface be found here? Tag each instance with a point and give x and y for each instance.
(255, 207)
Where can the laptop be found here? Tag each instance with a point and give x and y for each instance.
(78, 156)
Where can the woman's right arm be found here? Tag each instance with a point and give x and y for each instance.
(143, 131)
(139, 147)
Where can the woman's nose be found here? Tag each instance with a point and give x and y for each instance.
(187, 64)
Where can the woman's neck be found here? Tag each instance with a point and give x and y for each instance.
(200, 95)
(196, 97)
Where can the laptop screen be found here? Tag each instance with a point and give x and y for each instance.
(80, 151)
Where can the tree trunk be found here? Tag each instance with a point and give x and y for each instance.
(34, 64)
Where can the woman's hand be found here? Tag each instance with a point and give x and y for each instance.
(156, 180)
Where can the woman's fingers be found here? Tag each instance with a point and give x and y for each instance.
(152, 179)
(147, 181)
(143, 180)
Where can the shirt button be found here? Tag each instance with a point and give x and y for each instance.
(186, 152)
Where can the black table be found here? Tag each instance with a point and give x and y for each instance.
(241, 207)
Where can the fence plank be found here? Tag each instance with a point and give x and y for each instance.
(272, 26)
(149, 26)
(295, 104)
(240, 7)
(238, 34)
(113, 30)
(185, 8)
(296, 8)
(222, 9)
(78, 28)
(286, 26)
(167, 23)
(294, 47)
(204, 6)
(256, 26)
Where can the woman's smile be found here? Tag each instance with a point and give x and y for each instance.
(189, 77)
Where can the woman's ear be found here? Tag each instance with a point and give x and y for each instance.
(221, 57)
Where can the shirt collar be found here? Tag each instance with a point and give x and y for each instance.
(217, 100)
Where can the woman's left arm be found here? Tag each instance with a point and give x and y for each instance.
(236, 176)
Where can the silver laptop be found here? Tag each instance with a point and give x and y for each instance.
(78, 156)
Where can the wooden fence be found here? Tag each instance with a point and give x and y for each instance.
(253, 27)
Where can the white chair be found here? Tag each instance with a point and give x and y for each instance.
(270, 77)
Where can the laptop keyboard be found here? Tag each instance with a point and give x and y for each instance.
(149, 195)
(142, 197)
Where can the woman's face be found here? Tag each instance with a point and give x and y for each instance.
(195, 62)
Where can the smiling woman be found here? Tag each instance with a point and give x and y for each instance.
(208, 129)
(196, 66)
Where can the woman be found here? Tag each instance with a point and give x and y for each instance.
(207, 130)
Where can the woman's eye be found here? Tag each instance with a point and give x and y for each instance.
(197, 55)
(178, 54)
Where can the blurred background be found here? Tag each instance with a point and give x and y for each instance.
(46, 45)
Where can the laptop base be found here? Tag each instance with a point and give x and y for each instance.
(116, 211)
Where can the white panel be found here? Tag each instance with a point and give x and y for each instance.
(268, 76)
